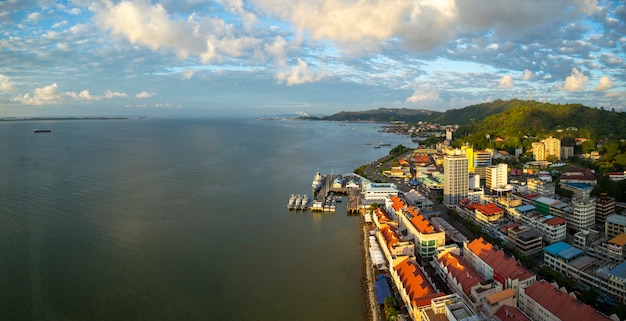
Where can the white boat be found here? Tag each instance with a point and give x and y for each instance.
(305, 202)
(317, 181)
(292, 202)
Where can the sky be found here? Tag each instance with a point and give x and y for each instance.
(305, 57)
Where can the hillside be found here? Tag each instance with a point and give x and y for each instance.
(385, 115)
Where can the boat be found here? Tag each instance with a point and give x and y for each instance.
(317, 181)
(376, 146)
(292, 202)
(37, 130)
(385, 144)
(305, 202)
(368, 143)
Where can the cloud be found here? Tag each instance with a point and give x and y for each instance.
(506, 82)
(40, 96)
(5, 84)
(527, 75)
(423, 93)
(615, 94)
(114, 94)
(144, 94)
(300, 74)
(604, 84)
(142, 23)
(35, 17)
(577, 81)
(188, 74)
(422, 25)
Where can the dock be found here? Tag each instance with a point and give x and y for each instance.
(327, 191)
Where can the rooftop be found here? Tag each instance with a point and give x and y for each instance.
(619, 271)
(461, 270)
(616, 219)
(561, 304)
(414, 281)
(499, 296)
(505, 266)
(525, 208)
(555, 221)
(619, 240)
(547, 201)
(563, 250)
(509, 313)
(580, 186)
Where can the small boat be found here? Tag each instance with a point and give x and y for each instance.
(37, 130)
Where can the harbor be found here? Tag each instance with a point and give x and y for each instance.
(326, 191)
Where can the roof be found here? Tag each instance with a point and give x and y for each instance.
(619, 270)
(499, 296)
(616, 219)
(382, 288)
(414, 282)
(619, 240)
(397, 203)
(461, 271)
(420, 222)
(556, 247)
(525, 208)
(547, 200)
(581, 186)
(509, 313)
(555, 221)
(505, 266)
(561, 304)
(489, 209)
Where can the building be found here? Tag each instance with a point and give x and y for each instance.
(497, 177)
(605, 206)
(617, 282)
(542, 185)
(525, 240)
(547, 148)
(553, 229)
(493, 264)
(584, 215)
(614, 225)
(456, 178)
(543, 301)
(567, 152)
(509, 313)
(578, 175)
(463, 279)
(488, 213)
(482, 160)
(427, 237)
(414, 285)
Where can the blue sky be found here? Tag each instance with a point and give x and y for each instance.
(316, 57)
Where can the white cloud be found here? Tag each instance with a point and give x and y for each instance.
(188, 74)
(604, 84)
(6, 84)
(151, 25)
(300, 74)
(39, 96)
(577, 81)
(114, 94)
(527, 75)
(369, 24)
(506, 82)
(423, 93)
(144, 94)
(615, 94)
(35, 17)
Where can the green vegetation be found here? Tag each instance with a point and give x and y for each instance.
(391, 312)
(398, 150)
(552, 275)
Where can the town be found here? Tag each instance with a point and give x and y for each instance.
(457, 234)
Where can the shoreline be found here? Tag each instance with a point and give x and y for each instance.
(367, 283)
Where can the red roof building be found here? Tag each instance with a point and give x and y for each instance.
(543, 301)
(509, 313)
(415, 289)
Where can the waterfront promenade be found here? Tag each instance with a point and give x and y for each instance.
(372, 311)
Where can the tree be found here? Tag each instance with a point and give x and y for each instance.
(391, 313)
(588, 146)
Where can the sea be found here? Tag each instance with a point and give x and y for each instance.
(178, 219)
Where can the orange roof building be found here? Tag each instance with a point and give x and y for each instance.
(413, 285)
(493, 264)
(509, 313)
(426, 237)
(543, 301)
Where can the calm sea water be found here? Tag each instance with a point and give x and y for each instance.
(177, 220)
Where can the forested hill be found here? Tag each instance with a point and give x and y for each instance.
(385, 115)
(507, 117)
(534, 118)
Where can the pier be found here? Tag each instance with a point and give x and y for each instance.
(327, 190)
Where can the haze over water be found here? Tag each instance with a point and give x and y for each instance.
(165, 219)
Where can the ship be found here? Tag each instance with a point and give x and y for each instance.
(37, 130)
(317, 181)
(292, 202)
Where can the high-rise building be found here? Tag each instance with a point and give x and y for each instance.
(546, 148)
(456, 177)
(605, 206)
(497, 176)
(583, 216)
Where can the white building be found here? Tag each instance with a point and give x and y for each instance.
(497, 177)
(584, 214)
(456, 178)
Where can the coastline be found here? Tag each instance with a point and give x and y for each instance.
(367, 279)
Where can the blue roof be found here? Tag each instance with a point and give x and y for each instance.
(557, 247)
(570, 253)
(525, 208)
(582, 186)
(382, 289)
(619, 271)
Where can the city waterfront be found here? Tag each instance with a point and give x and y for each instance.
(162, 219)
